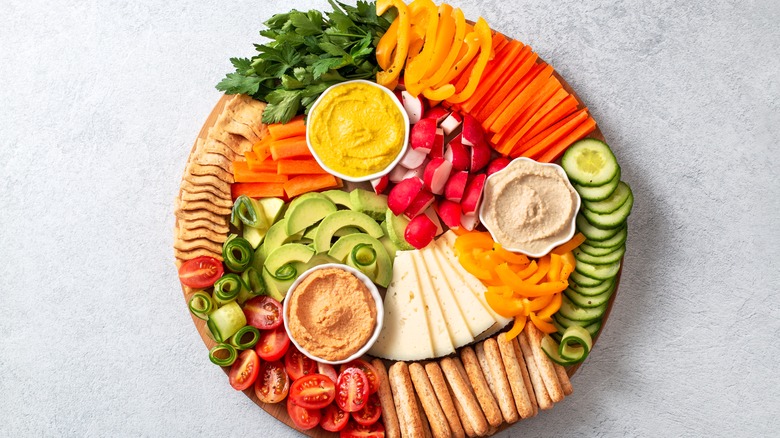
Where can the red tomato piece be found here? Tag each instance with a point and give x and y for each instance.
(201, 272)
(298, 364)
(370, 413)
(304, 419)
(313, 391)
(333, 418)
(264, 313)
(244, 371)
(272, 384)
(328, 370)
(273, 344)
(355, 430)
(368, 369)
(352, 390)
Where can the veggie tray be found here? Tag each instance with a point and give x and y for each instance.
(398, 222)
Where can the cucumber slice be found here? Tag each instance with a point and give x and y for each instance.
(606, 259)
(591, 232)
(226, 321)
(551, 349)
(598, 193)
(590, 291)
(584, 281)
(611, 220)
(598, 272)
(590, 162)
(613, 242)
(589, 301)
(617, 199)
(576, 343)
(574, 312)
(562, 322)
(596, 252)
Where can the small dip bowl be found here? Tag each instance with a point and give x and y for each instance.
(573, 227)
(380, 312)
(379, 173)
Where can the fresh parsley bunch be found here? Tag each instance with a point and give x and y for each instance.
(308, 53)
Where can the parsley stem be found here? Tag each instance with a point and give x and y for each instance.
(349, 35)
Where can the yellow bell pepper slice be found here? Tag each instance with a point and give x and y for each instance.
(552, 307)
(569, 263)
(473, 267)
(544, 267)
(439, 94)
(416, 68)
(518, 259)
(472, 240)
(542, 325)
(387, 45)
(508, 277)
(485, 47)
(471, 48)
(556, 264)
(517, 327)
(506, 307)
(454, 52)
(444, 40)
(390, 75)
(571, 245)
(539, 303)
(528, 271)
(538, 290)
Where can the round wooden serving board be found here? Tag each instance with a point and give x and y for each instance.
(279, 411)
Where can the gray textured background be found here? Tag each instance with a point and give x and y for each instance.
(102, 101)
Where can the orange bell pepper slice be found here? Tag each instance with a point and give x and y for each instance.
(537, 290)
(544, 267)
(452, 54)
(472, 47)
(556, 264)
(391, 74)
(552, 307)
(517, 327)
(387, 45)
(471, 265)
(418, 65)
(569, 263)
(542, 325)
(508, 277)
(485, 47)
(506, 307)
(466, 242)
(444, 39)
(518, 259)
(571, 245)
(539, 303)
(529, 270)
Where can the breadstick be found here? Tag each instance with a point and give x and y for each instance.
(479, 350)
(389, 416)
(462, 414)
(427, 396)
(503, 389)
(426, 426)
(445, 399)
(405, 401)
(462, 393)
(563, 377)
(515, 376)
(540, 391)
(524, 369)
(480, 386)
(544, 364)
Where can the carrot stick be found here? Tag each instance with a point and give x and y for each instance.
(522, 128)
(499, 41)
(299, 167)
(493, 71)
(309, 183)
(563, 109)
(526, 70)
(557, 149)
(521, 115)
(268, 165)
(261, 148)
(290, 148)
(242, 173)
(294, 128)
(540, 85)
(526, 87)
(257, 190)
(541, 142)
(505, 76)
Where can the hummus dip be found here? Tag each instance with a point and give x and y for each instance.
(332, 314)
(529, 206)
(356, 129)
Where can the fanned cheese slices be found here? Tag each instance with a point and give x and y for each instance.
(433, 306)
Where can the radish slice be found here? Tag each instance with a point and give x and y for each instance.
(418, 173)
(480, 156)
(431, 213)
(437, 172)
(451, 123)
(380, 184)
(423, 135)
(403, 194)
(457, 154)
(421, 202)
(413, 158)
(473, 193)
(456, 186)
(438, 145)
(449, 212)
(472, 131)
(469, 221)
(414, 106)
(397, 174)
(420, 231)
(497, 164)
(438, 112)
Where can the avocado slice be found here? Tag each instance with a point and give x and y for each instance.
(391, 247)
(285, 255)
(274, 238)
(369, 203)
(302, 198)
(253, 235)
(396, 226)
(272, 207)
(308, 212)
(340, 198)
(384, 264)
(340, 219)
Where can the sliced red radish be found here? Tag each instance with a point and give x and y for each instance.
(413, 158)
(457, 154)
(451, 123)
(423, 135)
(403, 194)
(456, 186)
(397, 174)
(497, 164)
(414, 106)
(438, 112)
(398, 96)
(421, 202)
(438, 145)
(380, 184)
(437, 172)
(472, 131)
(480, 156)
(449, 212)
(401, 84)
(469, 221)
(431, 213)
(420, 231)
(473, 194)
(418, 173)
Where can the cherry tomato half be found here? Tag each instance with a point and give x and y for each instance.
(273, 344)
(355, 430)
(264, 313)
(352, 390)
(368, 369)
(272, 384)
(298, 364)
(370, 413)
(304, 419)
(200, 272)
(328, 370)
(243, 372)
(333, 418)
(313, 391)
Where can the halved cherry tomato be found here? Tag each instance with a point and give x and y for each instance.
(333, 418)
(298, 364)
(273, 344)
(314, 391)
(355, 430)
(304, 419)
(368, 369)
(328, 370)
(244, 371)
(370, 413)
(264, 313)
(201, 272)
(272, 384)
(352, 390)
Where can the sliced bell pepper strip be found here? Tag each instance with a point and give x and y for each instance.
(552, 307)
(471, 265)
(387, 45)
(506, 307)
(518, 259)
(528, 271)
(472, 47)
(455, 50)
(544, 266)
(444, 39)
(571, 245)
(415, 69)
(473, 240)
(388, 76)
(542, 325)
(485, 45)
(517, 327)
(556, 264)
(539, 303)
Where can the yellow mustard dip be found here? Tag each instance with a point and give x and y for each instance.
(356, 129)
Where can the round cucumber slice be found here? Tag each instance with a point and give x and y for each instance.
(590, 162)
(607, 259)
(596, 252)
(598, 272)
(598, 193)
(613, 242)
(574, 312)
(611, 220)
(617, 199)
(590, 291)
(585, 281)
(590, 231)
(589, 301)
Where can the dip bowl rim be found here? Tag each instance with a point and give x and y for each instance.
(380, 312)
(396, 160)
(553, 245)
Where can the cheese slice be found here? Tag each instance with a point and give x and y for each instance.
(437, 324)
(405, 334)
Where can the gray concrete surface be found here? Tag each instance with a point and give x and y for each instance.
(102, 100)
